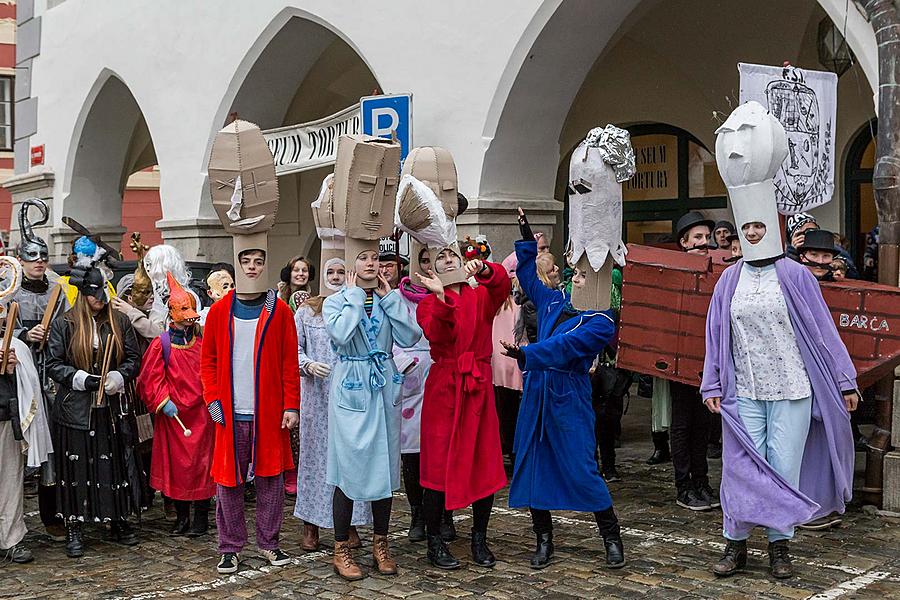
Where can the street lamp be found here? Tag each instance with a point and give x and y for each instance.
(834, 52)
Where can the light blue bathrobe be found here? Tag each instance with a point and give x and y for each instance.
(364, 402)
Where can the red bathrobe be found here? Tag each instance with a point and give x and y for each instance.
(277, 386)
(180, 467)
(460, 445)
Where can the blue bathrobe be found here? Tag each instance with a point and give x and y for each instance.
(364, 399)
(555, 442)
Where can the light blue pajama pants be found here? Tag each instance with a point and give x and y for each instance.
(779, 429)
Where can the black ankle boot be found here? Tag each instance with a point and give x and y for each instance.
(660, 449)
(200, 523)
(481, 554)
(121, 532)
(780, 560)
(74, 540)
(448, 529)
(439, 555)
(733, 560)
(615, 551)
(543, 552)
(182, 517)
(417, 525)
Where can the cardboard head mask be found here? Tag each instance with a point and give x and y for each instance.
(365, 186)
(597, 169)
(330, 220)
(428, 205)
(244, 192)
(750, 148)
(182, 305)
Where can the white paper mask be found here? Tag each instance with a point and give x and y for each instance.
(750, 147)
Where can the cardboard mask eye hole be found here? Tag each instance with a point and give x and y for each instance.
(367, 183)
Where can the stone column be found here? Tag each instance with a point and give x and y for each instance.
(199, 239)
(497, 219)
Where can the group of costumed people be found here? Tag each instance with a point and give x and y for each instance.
(395, 372)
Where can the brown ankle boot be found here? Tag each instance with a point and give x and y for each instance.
(354, 540)
(310, 537)
(382, 554)
(344, 565)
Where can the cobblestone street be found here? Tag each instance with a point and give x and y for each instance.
(669, 551)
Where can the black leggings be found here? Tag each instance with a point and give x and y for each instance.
(433, 509)
(342, 508)
(607, 521)
(410, 464)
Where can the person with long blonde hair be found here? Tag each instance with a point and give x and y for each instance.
(93, 354)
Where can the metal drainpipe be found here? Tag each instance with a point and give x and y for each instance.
(885, 22)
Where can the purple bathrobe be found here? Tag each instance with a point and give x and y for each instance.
(752, 492)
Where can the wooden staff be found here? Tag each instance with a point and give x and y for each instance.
(48, 314)
(11, 315)
(107, 356)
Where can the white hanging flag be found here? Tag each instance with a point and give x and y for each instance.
(805, 102)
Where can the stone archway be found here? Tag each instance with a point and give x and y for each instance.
(307, 71)
(111, 142)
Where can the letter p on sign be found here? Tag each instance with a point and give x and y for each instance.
(384, 116)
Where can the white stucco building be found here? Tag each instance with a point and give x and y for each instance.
(110, 87)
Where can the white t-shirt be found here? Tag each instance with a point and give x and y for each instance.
(242, 365)
(767, 361)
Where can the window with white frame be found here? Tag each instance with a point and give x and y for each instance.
(6, 113)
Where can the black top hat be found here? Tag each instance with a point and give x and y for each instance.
(692, 219)
(89, 281)
(818, 239)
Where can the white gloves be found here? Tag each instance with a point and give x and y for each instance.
(320, 370)
(115, 383)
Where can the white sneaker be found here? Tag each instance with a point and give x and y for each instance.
(228, 563)
(276, 557)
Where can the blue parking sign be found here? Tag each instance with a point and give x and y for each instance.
(383, 116)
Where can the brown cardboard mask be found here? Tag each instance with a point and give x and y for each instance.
(595, 295)
(354, 248)
(366, 174)
(434, 166)
(328, 230)
(244, 192)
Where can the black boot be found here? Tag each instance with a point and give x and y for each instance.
(200, 524)
(182, 517)
(448, 529)
(74, 540)
(121, 532)
(733, 560)
(608, 524)
(660, 448)
(481, 554)
(780, 560)
(439, 555)
(416, 525)
(543, 552)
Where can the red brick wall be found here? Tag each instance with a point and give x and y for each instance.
(140, 212)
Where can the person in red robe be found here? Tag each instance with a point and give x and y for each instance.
(461, 457)
(169, 384)
(251, 385)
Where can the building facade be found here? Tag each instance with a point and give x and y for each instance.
(111, 88)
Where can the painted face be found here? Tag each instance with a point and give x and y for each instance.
(34, 270)
(220, 283)
(578, 278)
(367, 265)
(300, 274)
(447, 261)
(754, 231)
(253, 264)
(721, 237)
(696, 240)
(335, 275)
(424, 260)
(812, 258)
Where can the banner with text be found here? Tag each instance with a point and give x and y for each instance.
(306, 146)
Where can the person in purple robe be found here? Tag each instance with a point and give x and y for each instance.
(775, 367)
